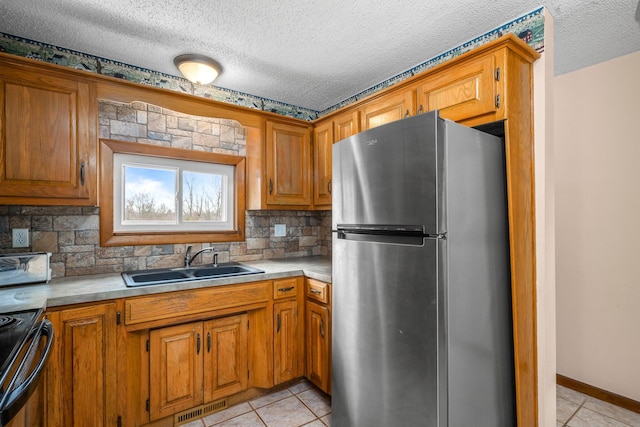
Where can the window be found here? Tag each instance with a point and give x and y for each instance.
(168, 195)
(160, 194)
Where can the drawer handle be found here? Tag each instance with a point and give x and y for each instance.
(198, 344)
(286, 289)
(315, 291)
(278, 330)
(322, 328)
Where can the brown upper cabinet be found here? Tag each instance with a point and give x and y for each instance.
(48, 124)
(465, 91)
(322, 142)
(345, 125)
(288, 165)
(388, 108)
(325, 134)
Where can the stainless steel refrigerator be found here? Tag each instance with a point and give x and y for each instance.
(422, 330)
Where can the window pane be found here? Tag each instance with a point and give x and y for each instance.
(149, 194)
(203, 197)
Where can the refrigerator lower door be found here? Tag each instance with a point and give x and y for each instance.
(386, 337)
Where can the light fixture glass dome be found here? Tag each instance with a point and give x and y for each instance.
(199, 69)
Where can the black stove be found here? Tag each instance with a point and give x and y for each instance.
(25, 336)
(14, 330)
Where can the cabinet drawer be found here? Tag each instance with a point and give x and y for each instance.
(285, 288)
(318, 291)
(172, 304)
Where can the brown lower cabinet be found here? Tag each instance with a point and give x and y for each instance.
(196, 363)
(139, 361)
(288, 338)
(318, 333)
(81, 387)
(317, 336)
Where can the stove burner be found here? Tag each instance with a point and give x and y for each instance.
(7, 322)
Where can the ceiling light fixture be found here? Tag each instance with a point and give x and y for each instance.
(199, 69)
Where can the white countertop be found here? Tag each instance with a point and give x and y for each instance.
(101, 287)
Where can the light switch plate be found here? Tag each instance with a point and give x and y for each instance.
(280, 230)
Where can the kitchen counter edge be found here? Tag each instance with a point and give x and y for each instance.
(65, 291)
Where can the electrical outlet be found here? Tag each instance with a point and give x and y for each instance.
(280, 230)
(20, 237)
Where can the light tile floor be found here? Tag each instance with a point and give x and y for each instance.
(575, 409)
(302, 404)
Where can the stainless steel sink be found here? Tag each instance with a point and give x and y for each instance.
(167, 275)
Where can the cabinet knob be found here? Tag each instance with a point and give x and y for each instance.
(322, 328)
(270, 186)
(278, 318)
(198, 344)
(208, 342)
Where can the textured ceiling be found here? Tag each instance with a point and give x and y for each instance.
(312, 54)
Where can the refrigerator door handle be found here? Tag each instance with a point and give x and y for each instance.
(401, 235)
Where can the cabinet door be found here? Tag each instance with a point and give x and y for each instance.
(81, 376)
(322, 142)
(47, 139)
(175, 369)
(287, 349)
(317, 336)
(288, 164)
(462, 92)
(388, 109)
(225, 361)
(345, 125)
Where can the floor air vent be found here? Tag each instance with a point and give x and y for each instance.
(187, 416)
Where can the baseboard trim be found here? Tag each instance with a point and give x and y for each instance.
(598, 393)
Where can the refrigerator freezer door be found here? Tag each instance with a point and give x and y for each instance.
(390, 175)
(385, 317)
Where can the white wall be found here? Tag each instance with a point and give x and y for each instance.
(597, 145)
(544, 117)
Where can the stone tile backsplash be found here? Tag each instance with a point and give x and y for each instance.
(72, 235)
(150, 124)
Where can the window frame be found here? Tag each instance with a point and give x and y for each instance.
(109, 237)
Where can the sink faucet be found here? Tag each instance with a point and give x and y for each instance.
(188, 259)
